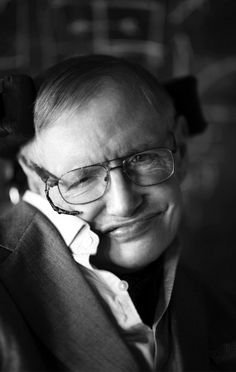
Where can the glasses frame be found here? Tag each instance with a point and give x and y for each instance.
(123, 160)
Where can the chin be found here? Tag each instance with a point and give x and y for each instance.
(132, 252)
(136, 255)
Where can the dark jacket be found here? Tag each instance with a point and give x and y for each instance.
(52, 320)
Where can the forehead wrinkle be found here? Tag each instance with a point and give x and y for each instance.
(95, 131)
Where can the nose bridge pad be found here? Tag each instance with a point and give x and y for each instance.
(124, 173)
(107, 179)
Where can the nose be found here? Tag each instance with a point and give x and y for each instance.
(122, 198)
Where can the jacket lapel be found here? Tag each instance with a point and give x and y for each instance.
(58, 303)
(189, 327)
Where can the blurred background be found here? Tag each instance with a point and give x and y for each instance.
(171, 38)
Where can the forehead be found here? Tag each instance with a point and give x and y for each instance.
(110, 125)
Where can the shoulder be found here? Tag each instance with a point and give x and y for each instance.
(15, 223)
(19, 350)
(19, 214)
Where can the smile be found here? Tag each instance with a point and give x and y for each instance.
(133, 229)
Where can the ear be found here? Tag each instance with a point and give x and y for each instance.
(181, 136)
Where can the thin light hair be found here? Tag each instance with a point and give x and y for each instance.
(69, 85)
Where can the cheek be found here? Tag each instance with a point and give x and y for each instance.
(90, 212)
(93, 213)
(57, 199)
(165, 195)
(175, 205)
(155, 198)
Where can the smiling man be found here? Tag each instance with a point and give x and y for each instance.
(90, 260)
(113, 160)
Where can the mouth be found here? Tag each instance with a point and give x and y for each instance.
(132, 229)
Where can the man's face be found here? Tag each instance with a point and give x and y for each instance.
(135, 224)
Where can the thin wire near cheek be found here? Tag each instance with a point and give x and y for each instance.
(56, 208)
(107, 177)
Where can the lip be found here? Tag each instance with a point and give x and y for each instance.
(132, 229)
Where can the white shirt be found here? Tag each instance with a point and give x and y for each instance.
(83, 242)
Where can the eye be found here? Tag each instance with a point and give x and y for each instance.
(144, 158)
(77, 183)
(82, 179)
(82, 182)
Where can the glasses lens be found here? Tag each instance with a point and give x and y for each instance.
(83, 185)
(150, 167)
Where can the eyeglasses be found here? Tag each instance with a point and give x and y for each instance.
(88, 184)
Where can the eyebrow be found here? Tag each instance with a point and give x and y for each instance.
(135, 150)
(46, 175)
(145, 146)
